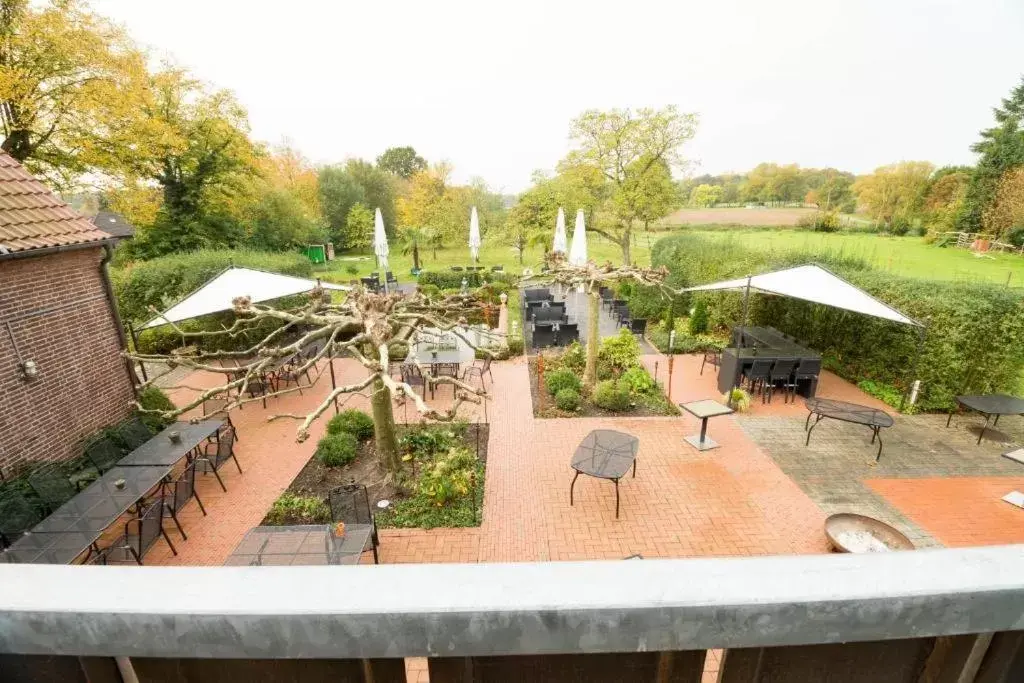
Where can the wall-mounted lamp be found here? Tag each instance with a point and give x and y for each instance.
(29, 370)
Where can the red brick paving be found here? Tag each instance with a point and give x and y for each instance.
(958, 511)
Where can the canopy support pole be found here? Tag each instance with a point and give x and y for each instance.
(330, 359)
(739, 365)
(921, 332)
(135, 348)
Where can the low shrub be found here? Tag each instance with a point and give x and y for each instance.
(153, 398)
(355, 422)
(429, 291)
(619, 353)
(820, 221)
(293, 509)
(335, 450)
(453, 281)
(638, 380)
(515, 347)
(611, 395)
(424, 442)
(740, 400)
(699, 320)
(886, 393)
(448, 476)
(567, 399)
(563, 378)
(574, 358)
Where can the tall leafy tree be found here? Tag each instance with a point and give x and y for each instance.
(339, 191)
(894, 191)
(622, 144)
(72, 87)
(359, 227)
(706, 195)
(1004, 217)
(648, 194)
(1000, 149)
(378, 190)
(279, 221)
(401, 161)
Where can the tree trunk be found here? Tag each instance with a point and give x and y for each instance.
(593, 340)
(416, 256)
(627, 238)
(384, 428)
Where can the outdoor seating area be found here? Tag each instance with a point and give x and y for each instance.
(766, 360)
(135, 492)
(548, 320)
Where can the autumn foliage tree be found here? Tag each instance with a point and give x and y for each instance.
(1005, 215)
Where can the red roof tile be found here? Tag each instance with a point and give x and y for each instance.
(32, 217)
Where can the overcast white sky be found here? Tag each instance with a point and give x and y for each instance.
(492, 86)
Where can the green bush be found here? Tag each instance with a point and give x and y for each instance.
(574, 358)
(450, 280)
(619, 353)
(448, 476)
(153, 398)
(557, 380)
(335, 450)
(699, 319)
(567, 399)
(638, 380)
(424, 442)
(293, 509)
(162, 281)
(611, 395)
(740, 399)
(975, 332)
(884, 392)
(355, 422)
(515, 347)
(429, 291)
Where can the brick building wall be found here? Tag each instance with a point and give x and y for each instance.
(56, 309)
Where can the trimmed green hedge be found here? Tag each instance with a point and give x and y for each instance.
(453, 280)
(160, 282)
(975, 335)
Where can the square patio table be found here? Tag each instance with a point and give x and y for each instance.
(308, 544)
(605, 454)
(704, 409)
(160, 451)
(989, 405)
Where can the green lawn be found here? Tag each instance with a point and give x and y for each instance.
(903, 255)
(491, 254)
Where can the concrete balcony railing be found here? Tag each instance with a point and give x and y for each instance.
(939, 615)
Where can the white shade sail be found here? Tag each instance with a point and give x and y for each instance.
(474, 235)
(818, 285)
(216, 295)
(561, 245)
(380, 241)
(578, 252)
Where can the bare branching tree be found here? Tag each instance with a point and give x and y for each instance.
(366, 326)
(592, 277)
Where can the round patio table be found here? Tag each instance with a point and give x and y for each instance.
(605, 454)
(989, 405)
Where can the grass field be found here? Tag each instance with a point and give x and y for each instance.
(903, 255)
(760, 216)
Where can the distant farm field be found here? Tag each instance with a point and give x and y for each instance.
(738, 216)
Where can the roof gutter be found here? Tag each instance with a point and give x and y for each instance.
(5, 254)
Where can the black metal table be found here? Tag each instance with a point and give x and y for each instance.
(989, 405)
(847, 412)
(310, 544)
(605, 454)
(161, 451)
(703, 410)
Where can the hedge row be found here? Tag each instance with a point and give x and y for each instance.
(974, 341)
(453, 280)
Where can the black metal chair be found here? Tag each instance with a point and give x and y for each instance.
(497, 269)
(52, 486)
(104, 454)
(606, 295)
(260, 386)
(537, 294)
(216, 407)
(133, 433)
(457, 269)
(713, 357)
(351, 504)
(638, 326)
(292, 372)
(17, 515)
(445, 370)
(543, 336)
(613, 304)
(757, 373)
(807, 370)
(390, 278)
(139, 536)
(223, 450)
(781, 373)
(177, 493)
(567, 334)
(475, 370)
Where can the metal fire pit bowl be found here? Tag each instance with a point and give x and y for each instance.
(845, 531)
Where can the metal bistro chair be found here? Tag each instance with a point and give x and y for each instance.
(351, 504)
(17, 516)
(622, 317)
(781, 373)
(104, 454)
(215, 407)
(446, 370)
(606, 295)
(614, 304)
(52, 486)
(497, 269)
(567, 334)
(259, 386)
(134, 433)
(177, 493)
(457, 269)
(757, 374)
(474, 370)
(807, 370)
(712, 357)
(390, 278)
(290, 372)
(223, 450)
(139, 536)
(638, 326)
